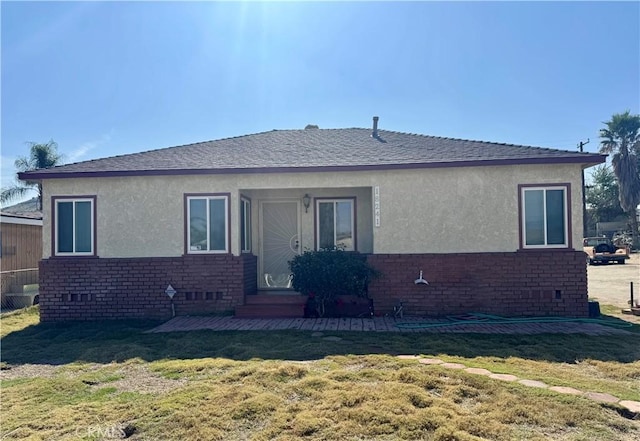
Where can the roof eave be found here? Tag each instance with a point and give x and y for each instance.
(586, 161)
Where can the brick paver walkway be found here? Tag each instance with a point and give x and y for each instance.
(379, 324)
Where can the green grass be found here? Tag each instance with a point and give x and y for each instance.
(89, 380)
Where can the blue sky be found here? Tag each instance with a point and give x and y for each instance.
(110, 78)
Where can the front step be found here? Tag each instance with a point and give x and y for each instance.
(275, 299)
(270, 306)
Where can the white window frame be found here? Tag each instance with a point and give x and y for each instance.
(74, 200)
(245, 216)
(565, 214)
(208, 199)
(352, 202)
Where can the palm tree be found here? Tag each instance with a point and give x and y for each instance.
(622, 138)
(41, 156)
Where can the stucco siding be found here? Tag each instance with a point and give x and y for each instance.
(463, 210)
(363, 219)
(438, 210)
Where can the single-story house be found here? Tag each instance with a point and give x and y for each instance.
(494, 228)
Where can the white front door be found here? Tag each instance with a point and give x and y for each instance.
(280, 234)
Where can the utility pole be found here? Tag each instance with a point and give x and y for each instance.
(584, 199)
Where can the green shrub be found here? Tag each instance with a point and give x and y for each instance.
(326, 274)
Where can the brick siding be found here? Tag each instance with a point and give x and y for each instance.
(96, 288)
(510, 284)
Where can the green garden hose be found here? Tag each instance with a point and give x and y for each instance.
(477, 318)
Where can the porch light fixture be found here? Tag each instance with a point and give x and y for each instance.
(306, 201)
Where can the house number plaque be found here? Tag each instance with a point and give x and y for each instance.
(376, 205)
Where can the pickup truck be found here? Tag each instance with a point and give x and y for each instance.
(602, 250)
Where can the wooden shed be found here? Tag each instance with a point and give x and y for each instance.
(21, 251)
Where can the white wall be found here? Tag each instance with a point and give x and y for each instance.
(443, 210)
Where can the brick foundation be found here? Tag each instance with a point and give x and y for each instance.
(97, 288)
(510, 284)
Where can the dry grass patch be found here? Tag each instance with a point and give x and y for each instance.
(19, 319)
(619, 379)
(289, 386)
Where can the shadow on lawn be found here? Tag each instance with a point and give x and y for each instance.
(103, 342)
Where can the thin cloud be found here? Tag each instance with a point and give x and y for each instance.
(81, 152)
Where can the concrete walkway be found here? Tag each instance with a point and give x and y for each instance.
(379, 324)
(631, 406)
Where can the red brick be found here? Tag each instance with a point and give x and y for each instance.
(511, 284)
(118, 288)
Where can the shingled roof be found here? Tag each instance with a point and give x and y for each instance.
(315, 150)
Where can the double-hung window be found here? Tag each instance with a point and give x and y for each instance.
(545, 216)
(74, 226)
(207, 223)
(335, 224)
(245, 225)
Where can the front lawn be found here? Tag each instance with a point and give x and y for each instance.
(109, 380)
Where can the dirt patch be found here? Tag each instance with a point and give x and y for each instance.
(132, 378)
(11, 372)
(139, 379)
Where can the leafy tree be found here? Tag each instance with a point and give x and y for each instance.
(621, 138)
(40, 156)
(603, 195)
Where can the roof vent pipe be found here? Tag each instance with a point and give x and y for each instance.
(375, 127)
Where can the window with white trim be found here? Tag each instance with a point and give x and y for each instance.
(335, 225)
(207, 224)
(245, 225)
(545, 217)
(74, 226)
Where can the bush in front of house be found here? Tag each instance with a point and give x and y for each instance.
(327, 274)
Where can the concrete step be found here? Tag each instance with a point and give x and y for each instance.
(293, 298)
